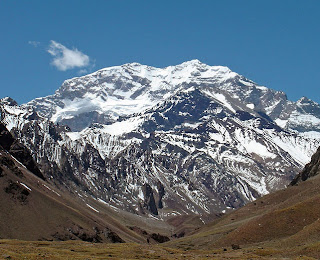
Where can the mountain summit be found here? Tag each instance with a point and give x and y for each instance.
(103, 96)
(190, 138)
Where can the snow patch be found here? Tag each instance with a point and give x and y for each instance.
(222, 99)
(193, 126)
(74, 135)
(24, 185)
(281, 123)
(253, 146)
(251, 106)
(141, 195)
(122, 127)
(92, 208)
(217, 136)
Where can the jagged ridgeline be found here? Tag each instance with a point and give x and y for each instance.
(190, 138)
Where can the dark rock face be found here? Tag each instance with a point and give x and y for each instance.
(149, 201)
(310, 170)
(161, 193)
(17, 150)
(6, 139)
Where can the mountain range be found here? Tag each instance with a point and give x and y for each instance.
(280, 225)
(166, 142)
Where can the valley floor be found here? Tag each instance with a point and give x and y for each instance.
(17, 249)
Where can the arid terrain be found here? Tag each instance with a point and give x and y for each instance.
(13, 249)
(283, 225)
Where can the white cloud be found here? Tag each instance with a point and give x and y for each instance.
(34, 43)
(64, 58)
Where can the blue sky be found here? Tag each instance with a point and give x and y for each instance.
(274, 43)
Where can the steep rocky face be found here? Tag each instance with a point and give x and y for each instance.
(6, 139)
(184, 139)
(18, 151)
(310, 170)
(149, 202)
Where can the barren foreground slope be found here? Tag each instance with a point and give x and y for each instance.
(286, 221)
(283, 225)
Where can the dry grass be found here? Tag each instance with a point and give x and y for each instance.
(16, 249)
(284, 224)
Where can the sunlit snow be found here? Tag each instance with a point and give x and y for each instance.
(252, 146)
(281, 123)
(122, 127)
(93, 208)
(251, 106)
(24, 185)
(222, 99)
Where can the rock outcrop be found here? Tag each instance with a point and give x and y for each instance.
(310, 170)
(18, 151)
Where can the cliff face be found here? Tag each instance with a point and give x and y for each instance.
(310, 170)
(18, 151)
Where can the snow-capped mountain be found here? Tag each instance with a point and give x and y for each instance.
(105, 95)
(190, 138)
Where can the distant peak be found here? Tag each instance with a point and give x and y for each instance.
(185, 63)
(8, 101)
(303, 100)
(198, 64)
(132, 64)
(193, 62)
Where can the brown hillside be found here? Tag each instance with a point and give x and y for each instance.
(287, 220)
(31, 209)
